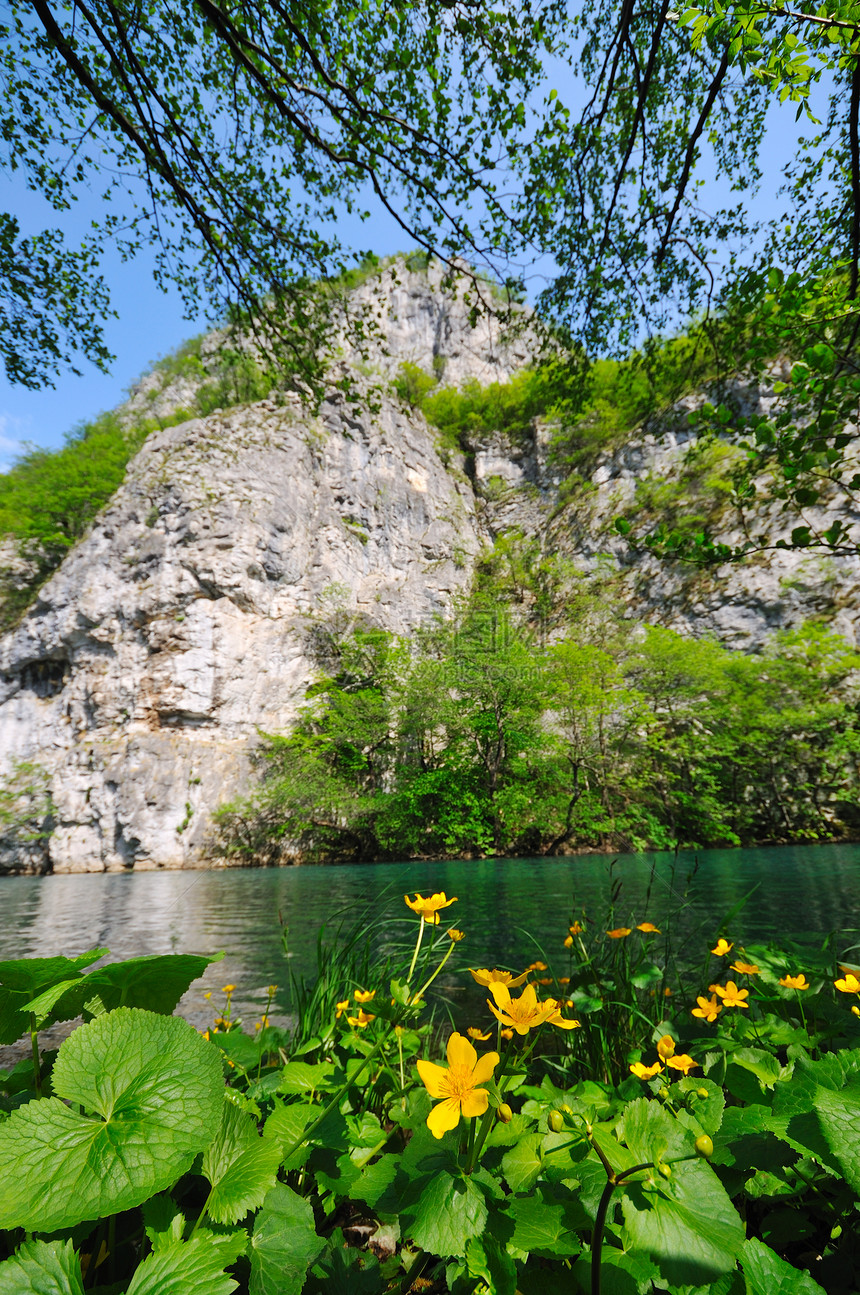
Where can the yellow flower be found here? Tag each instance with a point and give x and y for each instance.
(576, 929)
(855, 1009)
(455, 935)
(536, 966)
(731, 995)
(795, 982)
(646, 1072)
(364, 995)
(665, 1046)
(429, 908)
(525, 1013)
(850, 985)
(564, 980)
(474, 1033)
(363, 1018)
(682, 1062)
(667, 992)
(342, 1007)
(649, 928)
(228, 989)
(272, 990)
(487, 978)
(745, 968)
(208, 995)
(568, 941)
(619, 932)
(723, 947)
(458, 1085)
(507, 1034)
(544, 980)
(708, 1009)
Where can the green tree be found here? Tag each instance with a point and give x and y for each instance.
(232, 135)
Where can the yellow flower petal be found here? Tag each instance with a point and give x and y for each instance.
(461, 1053)
(723, 947)
(443, 1117)
(483, 1069)
(433, 1077)
(646, 1072)
(682, 1062)
(481, 1035)
(649, 928)
(795, 982)
(665, 1046)
(619, 933)
(475, 1103)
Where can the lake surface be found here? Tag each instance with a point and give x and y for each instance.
(512, 910)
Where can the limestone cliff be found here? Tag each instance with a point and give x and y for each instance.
(178, 627)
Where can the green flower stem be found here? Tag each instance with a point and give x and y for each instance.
(423, 990)
(417, 947)
(34, 1048)
(487, 1117)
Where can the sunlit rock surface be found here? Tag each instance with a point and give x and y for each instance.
(179, 627)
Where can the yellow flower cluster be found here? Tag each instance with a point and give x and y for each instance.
(679, 1061)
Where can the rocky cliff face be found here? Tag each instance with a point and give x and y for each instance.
(179, 626)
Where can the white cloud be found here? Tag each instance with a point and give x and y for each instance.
(10, 444)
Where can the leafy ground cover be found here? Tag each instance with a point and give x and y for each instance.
(612, 1120)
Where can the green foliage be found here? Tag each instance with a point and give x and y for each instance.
(25, 805)
(146, 1090)
(477, 737)
(219, 1176)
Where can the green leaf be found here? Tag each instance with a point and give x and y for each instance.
(42, 1268)
(151, 1092)
(284, 1243)
(163, 1221)
(767, 1274)
(374, 1180)
(686, 1224)
(300, 1077)
(547, 1221)
(444, 1212)
(240, 1165)
(486, 1259)
(194, 1267)
(23, 979)
(155, 982)
(521, 1165)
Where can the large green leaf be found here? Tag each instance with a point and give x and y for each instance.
(284, 1243)
(42, 1268)
(687, 1224)
(546, 1222)
(487, 1259)
(151, 1094)
(240, 1165)
(523, 1163)
(23, 979)
(818, 1111)
(194, 1267)
(442, 1213)
(155, 982)
(767, 1274)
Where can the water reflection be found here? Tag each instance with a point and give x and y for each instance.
(513, 910)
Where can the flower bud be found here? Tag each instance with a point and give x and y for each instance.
(665, 1171)
(702, 1092)
(663, 1093)
(705, 1146)
(504, 1113)
(555, 1120)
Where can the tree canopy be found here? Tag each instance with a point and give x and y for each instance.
(232, 134)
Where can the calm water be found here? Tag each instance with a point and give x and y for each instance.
(513, 910)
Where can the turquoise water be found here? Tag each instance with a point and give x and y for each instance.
(512, 910)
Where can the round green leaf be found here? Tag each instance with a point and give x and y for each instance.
(151, 1091)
